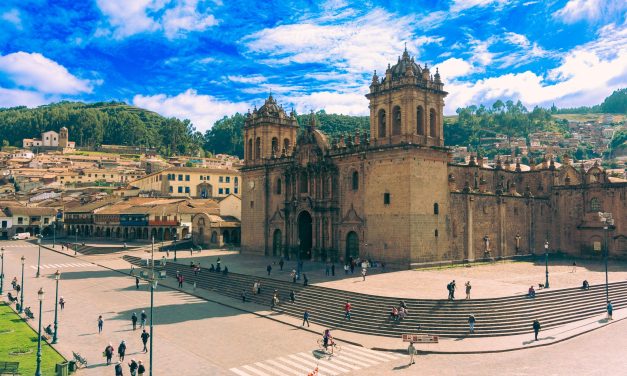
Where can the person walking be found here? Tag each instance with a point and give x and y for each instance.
(137, 283)
(327, 270)
(305, 280)
(144, 337)
(411, 350)
(100, 324)
(134, 320)
(574, 267)
(306, 318)
(143, 317)
(363, 274)
(243, 296)
(122, 350)
(61, 303)
(536, 328)
(471, 323)
(118, 369)
(281, 263)
(269, 269)
(140, 369)
(258, 287)
(448, 288)
(609, 310)
(345, 269)
(108, 353)
(347, 311)
(132, 366)
(453, 290)
(332, 270)
(292, 296)
(293, 275)
(218, 263)
(181, 279)
(468, 287)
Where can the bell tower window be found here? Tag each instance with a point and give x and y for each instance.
(381, 121)
(432, 123)
(396, 121)
(420, 121)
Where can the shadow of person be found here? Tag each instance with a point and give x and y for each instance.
(604, 321)
(97, 365)
(398, 368)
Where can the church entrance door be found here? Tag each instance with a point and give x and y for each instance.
(304, 235)
(352, 245)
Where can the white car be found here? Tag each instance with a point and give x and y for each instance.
(21, 236)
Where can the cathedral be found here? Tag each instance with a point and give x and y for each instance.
(394, 196)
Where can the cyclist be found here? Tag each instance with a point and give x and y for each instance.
(327, 340)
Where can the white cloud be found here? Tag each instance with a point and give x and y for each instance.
(331, 102)
(13, 16)
(202, 110)
(16, 97)
(453, 68)
(585, 76)
(173, 17)
(591, 10)
(33, 70)
(252, 79)
(460, 5)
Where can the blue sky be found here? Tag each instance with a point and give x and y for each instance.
(205, 59)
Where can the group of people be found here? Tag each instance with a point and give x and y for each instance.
(136, 368)
(400, 312)
(451, 287)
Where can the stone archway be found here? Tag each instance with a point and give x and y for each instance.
(305, 233)
(352, 245)
(204, 190)
(226, 238)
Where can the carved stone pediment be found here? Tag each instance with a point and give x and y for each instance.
(352, 217)
(277, 217)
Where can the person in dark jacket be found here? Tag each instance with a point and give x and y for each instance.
(122, 350)
(140, 369)
(108, 353)
(292, 296)
(134, 320)
(118, 370)
(536, 328)
(132, 366)
(144, 338)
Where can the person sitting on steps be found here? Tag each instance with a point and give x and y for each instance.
(394, 314)
(532, 292)
(586, 285)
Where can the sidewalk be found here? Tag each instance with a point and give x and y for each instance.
(465, 345)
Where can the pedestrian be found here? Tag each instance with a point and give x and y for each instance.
(411, 350)
(306, 318)
(122, 350)
(137, 283)
(254, 287)
(143, 317)
(243, 296)
(100, 323)
(382, 267)
(118, 369)
(269, 269)
(352, 266)
(327, 270)
(218, 263)
(134, 320)
(181, 279)
(609, 310)
(61, 303)
(281, 263)
(536, 327)
(194, 286)
(108, 353)
(332, 270)
(347, 311)
(293, 275)
(363, 273)
(574, 267)
(305, 280)
(191, 251)
(62, 247)
(471, 323)
(453, 290)
(468, 287)
(346, 269)
(14, 282)
(258, 287)
(144, 337)
(292, 296)
(133, 367)
(140, 368)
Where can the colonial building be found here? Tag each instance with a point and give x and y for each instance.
(195, 182)
(50, 140)
(394, 195)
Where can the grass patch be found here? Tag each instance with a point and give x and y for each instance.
(20, 340)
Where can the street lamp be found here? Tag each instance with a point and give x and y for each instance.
(175, 246)
(608, 221)
(546, 261)
(76, 242)
(57, 276)
(38, 253)
(22, 288)
(2, 271)
(54, 234)
(40, 294)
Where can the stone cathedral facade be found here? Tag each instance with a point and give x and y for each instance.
(393, 196)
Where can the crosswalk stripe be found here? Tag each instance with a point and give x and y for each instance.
(268, 368)
(327, 363)
(313, 365)
(241, 373)
(34, 267)
(365, 354)
(342, 363)
(379, 353)
(287, 369)
(251, 369)
(357, 359)
(297, 365)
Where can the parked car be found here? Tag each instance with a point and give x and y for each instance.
(21, 236)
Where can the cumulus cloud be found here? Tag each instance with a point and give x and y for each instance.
(12, 16)
(17, 97)
(590, 10)
(332, 102)
(453, 68)
(35, 71)
(252, 79)
(173, 17)
(203, 110)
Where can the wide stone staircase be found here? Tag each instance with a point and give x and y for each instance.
(370, 315)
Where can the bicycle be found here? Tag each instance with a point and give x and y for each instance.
(337, 348)
(79, 359)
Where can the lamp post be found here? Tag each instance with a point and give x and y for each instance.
(22, 288)
(76, 242)
(57, 276)
(40, 294)
(153, 285)
(608, 222)
(38, 253)
(2, 271)
(54, 234)
(175, 246)
(546, 261)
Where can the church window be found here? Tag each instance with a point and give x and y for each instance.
(355, 180)
(381, 122)
(386, 198)
(595, 205)
(436, 208)
(396, 121)
(275, 145)
(432, 123)
(258, 148)
(420, 121)
(250, 149)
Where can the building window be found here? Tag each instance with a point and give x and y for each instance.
(221, 179)
(386, 198)
(436, 209)
(436, 233)
(180, 190)
(171, 189)
(355, 180)
(186, 177)
(180, 177)
(207, 177)
(46, 221)
(252, 204)
(4, 224)
(20, 220)
(228, 179)
(228, 191)
(202, 177)
(595, 205)
(186, 189)
(235, 190)
(235, 181)
(220, 191)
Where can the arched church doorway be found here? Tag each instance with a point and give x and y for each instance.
(352, 245)
(276, 243)
(304, 235)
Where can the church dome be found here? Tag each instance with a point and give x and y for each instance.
(271, 108)
(401, 67)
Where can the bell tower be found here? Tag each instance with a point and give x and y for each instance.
(269, 133)
(406, 105)
(63, 137)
